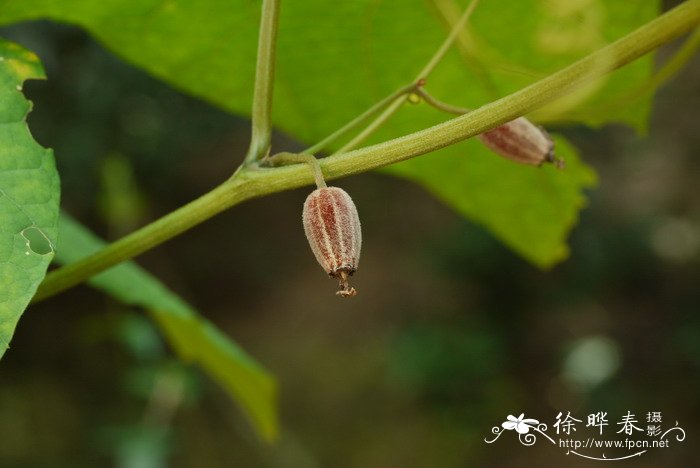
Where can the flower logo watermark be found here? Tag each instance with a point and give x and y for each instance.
(521, 425)
(564, 430)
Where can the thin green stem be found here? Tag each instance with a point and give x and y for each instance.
(399, 101)
(250, 184)
(440, 53)
(392, 103)
(449, 12)
(284, 159)
(374, 125)
(669, 69)
(354, 123)
(672, 65)
(440, 105)
(261, 126)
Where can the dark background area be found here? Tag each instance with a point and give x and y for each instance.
(449, 334)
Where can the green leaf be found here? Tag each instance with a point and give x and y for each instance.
(335, 62)
(530, 208)
(194, 338)
(29, 193)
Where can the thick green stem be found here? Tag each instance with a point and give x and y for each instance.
(225, 195)
(259, 182)
(283, 159)
(261, 126)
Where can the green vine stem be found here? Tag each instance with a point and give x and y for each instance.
(261, 119)
(283, 159)
(256, 182)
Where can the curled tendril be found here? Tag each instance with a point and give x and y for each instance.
(494, 430)
(679, 437)
(527, 439)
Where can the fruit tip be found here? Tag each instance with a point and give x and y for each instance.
(552, 158)
(345, 290)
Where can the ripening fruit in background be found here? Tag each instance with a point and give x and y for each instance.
(521, 141)
(332, 227)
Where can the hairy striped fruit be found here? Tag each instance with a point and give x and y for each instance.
(521, 141)
(332, 227)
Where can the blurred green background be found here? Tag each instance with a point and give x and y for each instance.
(450, 333)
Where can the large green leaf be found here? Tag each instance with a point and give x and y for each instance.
(194, 338)
(29, 193)
(335, 59)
